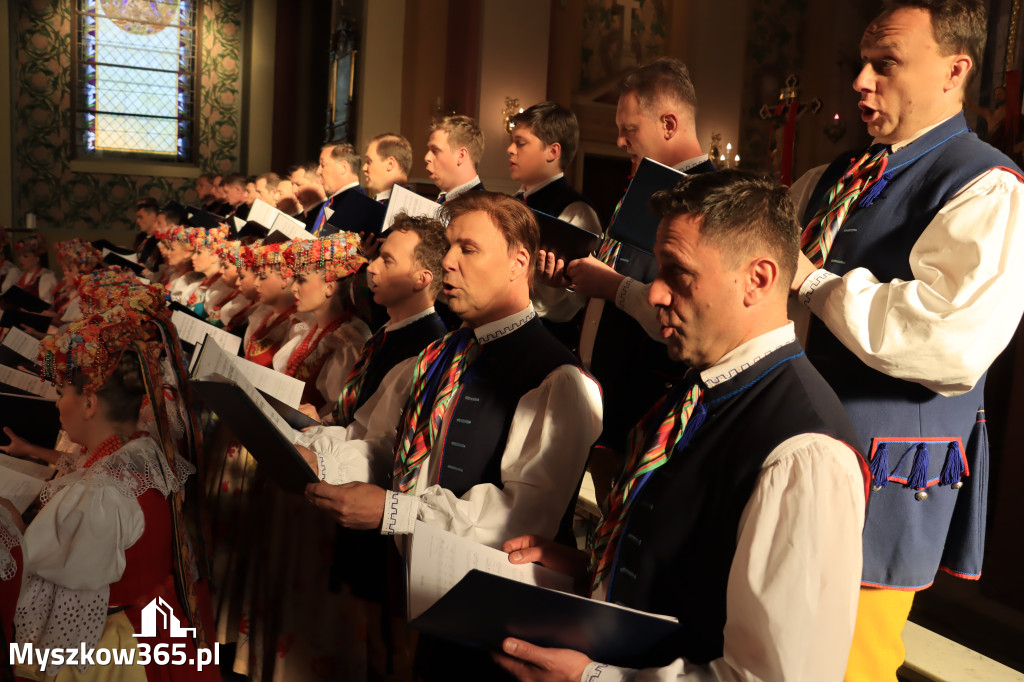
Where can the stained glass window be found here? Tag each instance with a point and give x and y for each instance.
(135, 78)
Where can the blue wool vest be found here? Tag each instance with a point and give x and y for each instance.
(679, 541)
(554, 198)
(913, 436)
(634, 370)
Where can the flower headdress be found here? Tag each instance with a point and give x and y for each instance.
(271, 257)
(148, 300)
(176, 234)
(336, 257)
(78, 253)
(230, 253)
(202, 238)
(32, 244)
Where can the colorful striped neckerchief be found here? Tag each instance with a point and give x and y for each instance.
(816, 240)
(322, 218)
(435, 381)
(648, 451)
(357, 377)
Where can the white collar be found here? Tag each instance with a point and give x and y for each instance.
(541, 185)
(456, 191)
(691, 163)
(746, 354)
(344, 189)
(383, 196)
(493, 331)
(895, 147)
(406, 321)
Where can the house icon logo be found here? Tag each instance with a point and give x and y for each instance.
(159, 613)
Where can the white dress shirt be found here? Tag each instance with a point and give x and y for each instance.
(943, 328)
(547, 447)
(461, 189)
(791, 599)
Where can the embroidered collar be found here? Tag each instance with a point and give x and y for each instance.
(492, 331)
(691, 163)
(745, 355)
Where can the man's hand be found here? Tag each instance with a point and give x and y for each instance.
(532, 549)
(370, 245)
(353, 505)
(551, 270)
(528, 662)
(804, 269)
(310, 411)
(593, 279)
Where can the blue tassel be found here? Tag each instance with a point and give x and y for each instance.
(918, 478)
(953, 468)
(880, 466)
(875, 189)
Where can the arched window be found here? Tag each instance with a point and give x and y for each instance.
(135, 75)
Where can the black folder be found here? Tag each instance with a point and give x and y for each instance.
(197, 217)
(483, 609)
(101, 244)
(565, 240)
(356, 212)
(296, 419)
(174, 305)
(117, 259)
(253, 229)
(33, 418)
(634, 224)
(17, 298)
(16, 318)
(274, 452)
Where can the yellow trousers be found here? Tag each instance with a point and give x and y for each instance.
(877, 651)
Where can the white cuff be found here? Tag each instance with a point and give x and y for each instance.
(400, 512)
(814, 282)
(622, 293)
(321, 467)
(602, 672)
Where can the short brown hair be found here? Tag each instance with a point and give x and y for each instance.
(432, 247)
(395, 146)
(272, 179)
(236, 179)
(665, 77)
(740, 211)
(148, 204)
(511, 216)
(463, 131)
(552, 123)
(958, 26)
(347, 153)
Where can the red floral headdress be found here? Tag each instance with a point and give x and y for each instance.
(336, 257)
(78, 253)
(271, 257)
(32, 244)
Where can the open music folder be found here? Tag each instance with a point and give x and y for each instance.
(634, 223)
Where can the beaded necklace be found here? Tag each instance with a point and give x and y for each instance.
(107, 447)
(256, 345)
(306, 348)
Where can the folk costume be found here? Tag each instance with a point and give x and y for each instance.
(38, 281)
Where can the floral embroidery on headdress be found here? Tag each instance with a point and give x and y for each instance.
(271, 257)
(32, 244)
(79, 254)
(230, 253)
(336, 256)
(176, 234)
(202, 238)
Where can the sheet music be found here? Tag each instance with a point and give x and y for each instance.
(289, 227)
(408, 201)
(24, 466)
(239, 223)
(23, 381)
(438, 560)
(262, 212)
(21, 489)
(215, 364)
(21, 343)
(194, 331)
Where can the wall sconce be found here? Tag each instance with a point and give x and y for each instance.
(835, 130)
(722, 158)
(511, 109)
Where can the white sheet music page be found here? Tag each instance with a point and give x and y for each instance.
(438, 560)
(23, 344)
(193, 330)
(407, 201)
(30, 383)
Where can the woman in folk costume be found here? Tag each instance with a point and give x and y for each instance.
(232, 311)
(273, 323)
(177, 252)
(76, 258)
(323, 356)
(30, 274)
(212, 290)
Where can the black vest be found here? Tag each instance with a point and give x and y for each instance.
(506, 369)
(554, 198)
(679, 541)
(400, 344)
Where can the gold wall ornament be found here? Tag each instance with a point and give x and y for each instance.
(511, 109)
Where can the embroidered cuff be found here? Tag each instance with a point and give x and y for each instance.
(400, 511)
(602, 672)
(321, 467)
(622, 293)
(813, 283)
